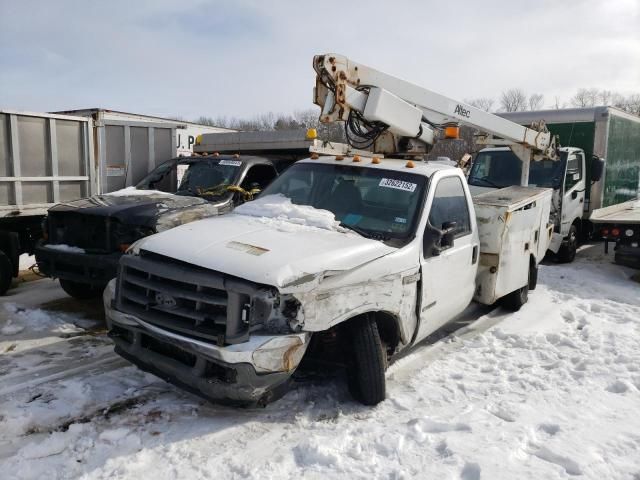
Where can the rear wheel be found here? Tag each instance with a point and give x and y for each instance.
(366, 370)
(567, 252)
(81, 291)
(516, 299)
(6, 273)
(533, 275)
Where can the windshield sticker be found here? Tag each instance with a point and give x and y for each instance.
(181, 170)
(231, 163)
(398, 184)
(400, 220)
(351, 219)
(245, 247)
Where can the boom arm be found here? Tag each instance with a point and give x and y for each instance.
(345, 88)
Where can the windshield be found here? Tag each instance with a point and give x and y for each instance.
(502, 168)
(376, 203)
(194, 177)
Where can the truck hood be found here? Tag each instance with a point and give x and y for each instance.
(266, 251)
(157, 210)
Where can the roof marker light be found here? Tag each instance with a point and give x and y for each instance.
(315, 156)
(410, 164)
(452, 131)
(339, 157)
(356, 158)
(375, 160)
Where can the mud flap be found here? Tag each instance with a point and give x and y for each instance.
(556, 242)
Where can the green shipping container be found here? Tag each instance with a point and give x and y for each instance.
(606, 132)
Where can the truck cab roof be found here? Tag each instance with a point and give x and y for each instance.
(426, 169)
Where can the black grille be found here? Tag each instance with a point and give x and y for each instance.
(93, 233)
(185, 299)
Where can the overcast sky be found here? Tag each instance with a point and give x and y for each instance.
(240, 58)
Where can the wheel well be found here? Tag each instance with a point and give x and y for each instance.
(335, 344)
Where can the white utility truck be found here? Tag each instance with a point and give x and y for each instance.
(600, 169)
(347, 257)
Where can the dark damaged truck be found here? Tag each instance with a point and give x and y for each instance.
(84, 239)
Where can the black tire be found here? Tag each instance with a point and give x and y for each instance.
(6, 273)
(567, 252)
(365, 372)
(515, 300)
(81, 291)
(533, 275)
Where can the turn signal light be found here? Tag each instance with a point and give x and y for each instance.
(605, 232)
(124, 247)
(312, 134)
(615, 232)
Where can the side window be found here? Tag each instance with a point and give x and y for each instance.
(262, 175)
(450, 205)
(574, 171)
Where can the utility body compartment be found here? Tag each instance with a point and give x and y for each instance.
(514, 231)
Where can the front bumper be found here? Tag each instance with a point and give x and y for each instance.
(88, 268)
(250, 373)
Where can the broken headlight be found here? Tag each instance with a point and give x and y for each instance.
(277, 313)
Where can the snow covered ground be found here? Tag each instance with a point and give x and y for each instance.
(552, 391)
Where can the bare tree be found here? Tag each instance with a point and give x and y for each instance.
(585, 97)
(513, 100)
(556, 103)
(536, 100)
(483, 103)
(605, 97)
(630, 104)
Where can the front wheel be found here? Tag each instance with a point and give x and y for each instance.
(567, 252)
(366, 371)
(81, 291)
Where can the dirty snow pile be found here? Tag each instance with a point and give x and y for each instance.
(550, 392)
(280, 208)
(19, 319)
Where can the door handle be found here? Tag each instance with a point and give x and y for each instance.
(474, 255)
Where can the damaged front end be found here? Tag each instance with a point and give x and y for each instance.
(224, 338)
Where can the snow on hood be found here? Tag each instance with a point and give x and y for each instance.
(280, 207)
(133, 191)
(265, 250)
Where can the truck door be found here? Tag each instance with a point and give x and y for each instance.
(449, 265)
(574, 187)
